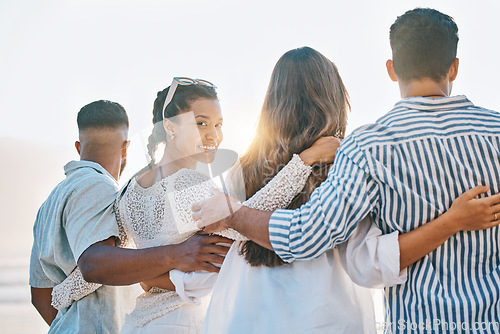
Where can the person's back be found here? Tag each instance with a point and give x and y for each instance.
(79, 213)
(406, 170)
(420, 157)
(255, 291)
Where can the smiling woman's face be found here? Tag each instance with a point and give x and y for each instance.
(198, 132)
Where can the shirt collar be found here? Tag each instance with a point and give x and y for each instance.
(77, 164)
(430, 104)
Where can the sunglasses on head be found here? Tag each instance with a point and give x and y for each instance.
(183, 81)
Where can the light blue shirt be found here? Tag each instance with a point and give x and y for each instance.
(77, 214)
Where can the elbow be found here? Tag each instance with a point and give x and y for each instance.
(89, 268)
(35, 297)
(89, 274)
(34, 303)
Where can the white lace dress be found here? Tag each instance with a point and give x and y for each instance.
(161, 215)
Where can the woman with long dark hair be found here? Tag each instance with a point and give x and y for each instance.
(256, 292)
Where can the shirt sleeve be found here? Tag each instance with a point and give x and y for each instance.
(89, 214)
(38, 279)
(330, 216)
(370, 258)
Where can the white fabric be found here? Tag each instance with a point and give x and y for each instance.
(192, 286)
(370, 258)
(306, 296)
(185, 320)
(72, 289)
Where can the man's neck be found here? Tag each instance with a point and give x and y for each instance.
(111, 165)
(425, 87)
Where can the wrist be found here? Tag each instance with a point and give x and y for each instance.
(450, 224)
(232, 220)
(306, 158)
(170, 256)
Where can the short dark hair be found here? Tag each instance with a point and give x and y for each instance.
(424, 44)
(102, 114)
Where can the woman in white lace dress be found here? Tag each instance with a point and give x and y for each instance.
(155, 207)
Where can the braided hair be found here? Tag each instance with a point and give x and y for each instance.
(181, 102)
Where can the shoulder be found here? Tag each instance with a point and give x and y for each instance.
(362, 138)
(90, 184)
(82, 182)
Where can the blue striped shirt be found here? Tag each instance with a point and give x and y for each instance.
(406, 170)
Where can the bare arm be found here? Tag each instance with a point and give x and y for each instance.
(106, 264)
(41, 299)
(215, 210)
(467, 213)
(258, 230)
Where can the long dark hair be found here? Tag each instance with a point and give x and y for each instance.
(305, 100)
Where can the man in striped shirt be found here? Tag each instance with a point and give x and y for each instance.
(406, 170)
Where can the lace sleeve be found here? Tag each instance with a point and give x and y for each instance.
(281, 190)
(278, 193)
(126, 240)
(72, 289)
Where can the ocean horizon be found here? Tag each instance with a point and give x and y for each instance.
(17, 315)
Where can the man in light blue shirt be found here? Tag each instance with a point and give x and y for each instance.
(78, 218)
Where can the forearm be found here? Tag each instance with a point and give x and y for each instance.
(106, 264)
(417, 243)
(111, 265)
(41, 299)
(254, 224)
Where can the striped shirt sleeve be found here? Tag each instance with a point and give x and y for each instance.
(331, 214)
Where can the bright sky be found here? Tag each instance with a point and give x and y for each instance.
(57, 56)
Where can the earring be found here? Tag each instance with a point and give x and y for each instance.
(171, 135)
